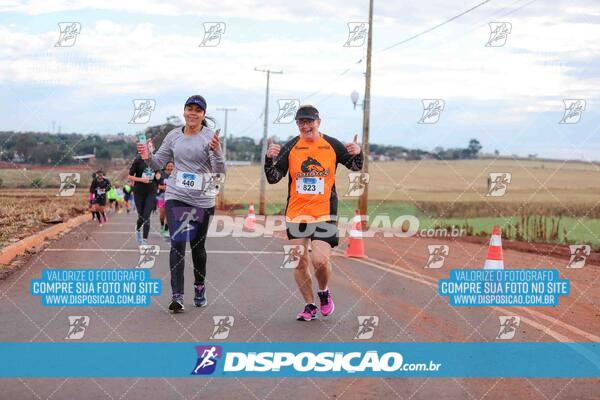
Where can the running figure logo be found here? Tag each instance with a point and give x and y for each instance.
(579, 254)
(357, 182)
(223, 324)
(366, 326)
(212, 34)
(357, 34)
(499, 32)
(142, 110)
(508, 326)
(185, 227)
(432, 109)
(437, 255)
(291, 256)
(207, 359)
(287, 110)
(498, 183)
(574, 108)
(77, 325)
(68, 183)
(68, 34)
(148, 254)
(213, 183)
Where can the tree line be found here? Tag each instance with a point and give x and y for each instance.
(59, 149)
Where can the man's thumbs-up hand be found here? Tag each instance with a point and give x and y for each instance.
(273, 149)
(353, 148)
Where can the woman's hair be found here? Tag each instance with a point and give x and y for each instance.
(213, 122)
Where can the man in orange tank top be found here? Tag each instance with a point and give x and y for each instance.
(310, 161)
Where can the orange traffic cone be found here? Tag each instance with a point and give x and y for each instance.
(356, 247)
(250, 223)
(495, 259)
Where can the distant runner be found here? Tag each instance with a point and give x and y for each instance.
(127, 195)
(310, 162)
(144, 196)
(99, 188)
(160, 198)
(111, 195)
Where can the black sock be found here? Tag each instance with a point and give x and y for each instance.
(98, 217)
(104, 216)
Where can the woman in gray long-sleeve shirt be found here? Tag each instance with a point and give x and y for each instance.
(190, 196)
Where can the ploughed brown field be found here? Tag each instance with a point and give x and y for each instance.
(445, 189)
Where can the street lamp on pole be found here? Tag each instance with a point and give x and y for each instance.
(263, 178)
(363, 199)
(354, 97)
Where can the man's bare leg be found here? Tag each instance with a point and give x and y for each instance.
(302, 274)
(321, 253)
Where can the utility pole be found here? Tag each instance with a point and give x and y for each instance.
(222, 193)
(263, 153)
(364, 198)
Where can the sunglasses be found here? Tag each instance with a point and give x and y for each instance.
(303, 121)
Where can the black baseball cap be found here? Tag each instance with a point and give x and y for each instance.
(307, 112)
(197, 100)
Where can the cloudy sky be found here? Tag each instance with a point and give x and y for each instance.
(510, 97)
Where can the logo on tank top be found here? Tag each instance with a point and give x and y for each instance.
(312, 167)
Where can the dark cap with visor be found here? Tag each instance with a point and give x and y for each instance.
(307, 112)
(197, 100)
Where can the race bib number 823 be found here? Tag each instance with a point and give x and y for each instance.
(308, 185)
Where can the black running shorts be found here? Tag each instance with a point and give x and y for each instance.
(326, 231)
(100, 200)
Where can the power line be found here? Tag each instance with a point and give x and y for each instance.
(417, 35)
(436, 26)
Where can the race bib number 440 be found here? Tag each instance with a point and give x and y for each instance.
(308, 185)
(189, 180)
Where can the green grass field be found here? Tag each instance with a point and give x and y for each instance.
(571, 230)
(438, 193)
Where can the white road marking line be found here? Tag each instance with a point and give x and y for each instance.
(553, 320)
(427, 280)
(188, 251)
(415, 276)
(124, 232)
(122, 223)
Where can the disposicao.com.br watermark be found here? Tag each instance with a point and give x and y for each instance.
(402, 226)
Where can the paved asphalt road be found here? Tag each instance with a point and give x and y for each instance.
(245, 281)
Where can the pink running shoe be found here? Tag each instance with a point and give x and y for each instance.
(308, 314)
(327, 306)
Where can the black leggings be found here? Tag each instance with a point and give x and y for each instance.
(187, 223)
(144, 203)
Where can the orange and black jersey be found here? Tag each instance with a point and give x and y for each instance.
(311, 179)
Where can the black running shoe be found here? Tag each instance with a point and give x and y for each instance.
(200, 295)
(176, 304)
